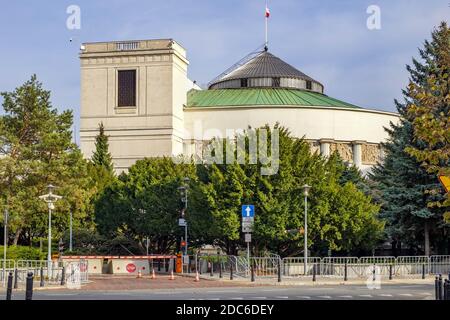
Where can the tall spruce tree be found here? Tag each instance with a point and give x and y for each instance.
(401, 181)
(101, 156)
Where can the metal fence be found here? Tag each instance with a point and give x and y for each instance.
(6, 266)
(50, 272)
(295, 266)
(338, 267)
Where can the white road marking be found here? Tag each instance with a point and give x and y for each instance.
(349, 297)
(222, 291)
(385, 295)
(366, 295)
(269, 290)
(238, 298)
(406, 294)
(281, 297)
(258, 297)
(304, 297)
(324, 297)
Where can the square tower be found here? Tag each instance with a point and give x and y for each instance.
(138, 90)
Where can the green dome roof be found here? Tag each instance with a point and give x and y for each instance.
(262, 97)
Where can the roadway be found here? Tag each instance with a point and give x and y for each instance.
(322, 292)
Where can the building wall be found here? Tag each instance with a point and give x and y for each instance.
(155, 126)
(354, 134)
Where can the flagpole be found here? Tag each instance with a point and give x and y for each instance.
(265, 16)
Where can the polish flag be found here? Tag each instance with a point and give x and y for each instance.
(267, 12)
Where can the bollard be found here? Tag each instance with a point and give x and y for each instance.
(220, 268)
(423, 271)
(16, 275)
(231, 271)
(279, 270)
(41, 284)
(390, 272)
(63, 276)
(445, 290)
(314, 273)
(189, 265)
(448, 290)
(252, 270)
(440, 287)
(436, 288)
(373, 272)
(345, 271)
(29, 287)
(10, 285)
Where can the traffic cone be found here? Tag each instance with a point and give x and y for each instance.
(197, 277)
(171, 276)
(153, 274)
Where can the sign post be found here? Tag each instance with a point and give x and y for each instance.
(248, 218)
(445, 181)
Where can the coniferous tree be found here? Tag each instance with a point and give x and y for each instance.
(36, 149)
(101, 156)
(402, 183)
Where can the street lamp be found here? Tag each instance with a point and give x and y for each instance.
(50, 198)
(184, 198)
(306, 189)
(5, 245)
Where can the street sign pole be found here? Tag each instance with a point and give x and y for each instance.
(248, 216)
(248, 253)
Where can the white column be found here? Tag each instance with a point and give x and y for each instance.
(325, 147)
(357, 153)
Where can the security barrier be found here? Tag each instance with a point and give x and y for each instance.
(6, 266)
(439, 265)
(295, 266)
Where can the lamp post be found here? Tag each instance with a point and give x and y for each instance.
(306, 189)
(184, 198)
(5, 244)
(70, 232)
(50, 199)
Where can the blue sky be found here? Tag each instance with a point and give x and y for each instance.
(326, 39)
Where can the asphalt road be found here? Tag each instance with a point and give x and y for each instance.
(323, 292)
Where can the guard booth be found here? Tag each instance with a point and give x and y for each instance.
(129, 265)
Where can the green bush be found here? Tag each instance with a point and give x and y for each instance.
(22, 253)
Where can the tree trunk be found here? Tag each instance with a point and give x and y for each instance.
(427, 238)
(17, 236)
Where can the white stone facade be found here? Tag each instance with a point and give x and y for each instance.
(161, 125)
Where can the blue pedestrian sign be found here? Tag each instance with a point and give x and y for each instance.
(248, 210)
